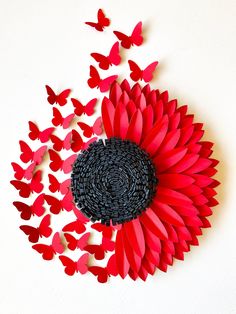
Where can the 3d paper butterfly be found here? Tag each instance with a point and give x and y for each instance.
(56, 205)
(59, 144)
(134, 39)
(106, 231)
(99, 249)
(80, 109)
(102, 22)
(21, 173)
(73, 243)
(104, 62)
(43, 230)
(88, 130)
(28, 155)
(58, 119)
(48, 251)
(36, 134)
(103, 273)
(138, 74)
(60, 99)
(59, 164)
(96, 81)
(77, 225)
(30, 210)
(56, 186)
(72, 267)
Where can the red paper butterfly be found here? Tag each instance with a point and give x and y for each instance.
(102, 22)
(36, 134)
(73, 243)
(48, 251)
(72, 267)
(99, 249)
(96, 81)
(56, 205)
(75, 226)
(104, 62)
(60, 99)
(56, 186)
(103, 273)
(134, 39)
(21, 173)
(28, 210)
(43, 230)
(80, 216)
(138, 74)
(59, 164)
(58, 119)
(87, 109)
(106, 231)
(59, 144)
(25, 189)
(28, 155)
(88, 131)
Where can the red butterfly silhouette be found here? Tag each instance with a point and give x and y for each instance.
(59, 164)
(96, 81)
(28, 210)
(104, 62)
(36, 134)
(103, 273)
(88, 131)
(106, 231)
(21, 173)
(43, 230)
(73, 243)
(86, 144)
(138, 74)
(102, 22)
(56, 186)
(60, 99)
(99, 249)
(59, 144)
(134, 39)
(25, 189)
(72, 267)
(28, 155)
(88, 109)
(77, 225)
(56, 205)
(80, 216)
(48, 251)
(58, 119)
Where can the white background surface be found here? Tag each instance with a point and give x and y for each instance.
(47, 42)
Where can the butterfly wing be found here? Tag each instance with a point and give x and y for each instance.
(94, 79)
(70, 266)
(56, 161)
(35, 184)
(44, 227)
(87, 130)
(100, 272)
(57, 245)
(19, 171)
(23, 188)
(136, 36)
(34, 131)
(57, 117)
(103, 61)
(54, 185)
(51, 95)
(82, 242)
(54, 204)
(89, 108)
(125, 40)
(95, 249)
(26, 152)
(103, 21)
(148, 72)
(44, 249)
(114, 56)
(76, 141)
(68, 163)
(57, 143)
(61, 99)
(97, 126)
(24, 209)
(105, 84)
(136, 72)
(44, 135)
(82, 264)
(31, 232)
(39, 154)
(37, 207)
(74, 226)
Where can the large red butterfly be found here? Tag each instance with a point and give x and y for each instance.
(56, 205)
(28, 210)
(58, 119)
(36, 134)
(48, 251)
(28, 155)
(135, 38)
(43, 230)
(88, 130)
(96, 81)
(59, 144)
(21, 173)
(56, 186)
(60, 99)
(138, 74)
(72, 267)
(104, 62)
(59, 164)
(102, 22)
(88, 109)
(25, 189)
(73, 243)
(103, 273)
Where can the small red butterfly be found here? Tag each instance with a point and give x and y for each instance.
(104, 62)
(76, 141)
(59, 144)
(43, 230)
(48, 251)
(103, 273)
(74, 226)
(88, 131)
(72, 267)
(80, 216)
(138, 74)
(28, 155)
(59, 164)
(56, 186)
(60, 99)
(106, 231)
(73, 243)
(135, 38)
(58, 119)
(36, 134)
(28, 210)
(56, 205)
(25, 189)
(88, 109)
(21, 173)
(96, 81)
(102, 22)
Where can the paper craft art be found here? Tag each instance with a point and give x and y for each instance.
(130, 203)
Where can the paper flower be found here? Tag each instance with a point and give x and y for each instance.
(145, 191)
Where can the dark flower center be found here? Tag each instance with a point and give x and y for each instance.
(113, 181)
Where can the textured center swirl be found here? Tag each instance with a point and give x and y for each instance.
(113, 181)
